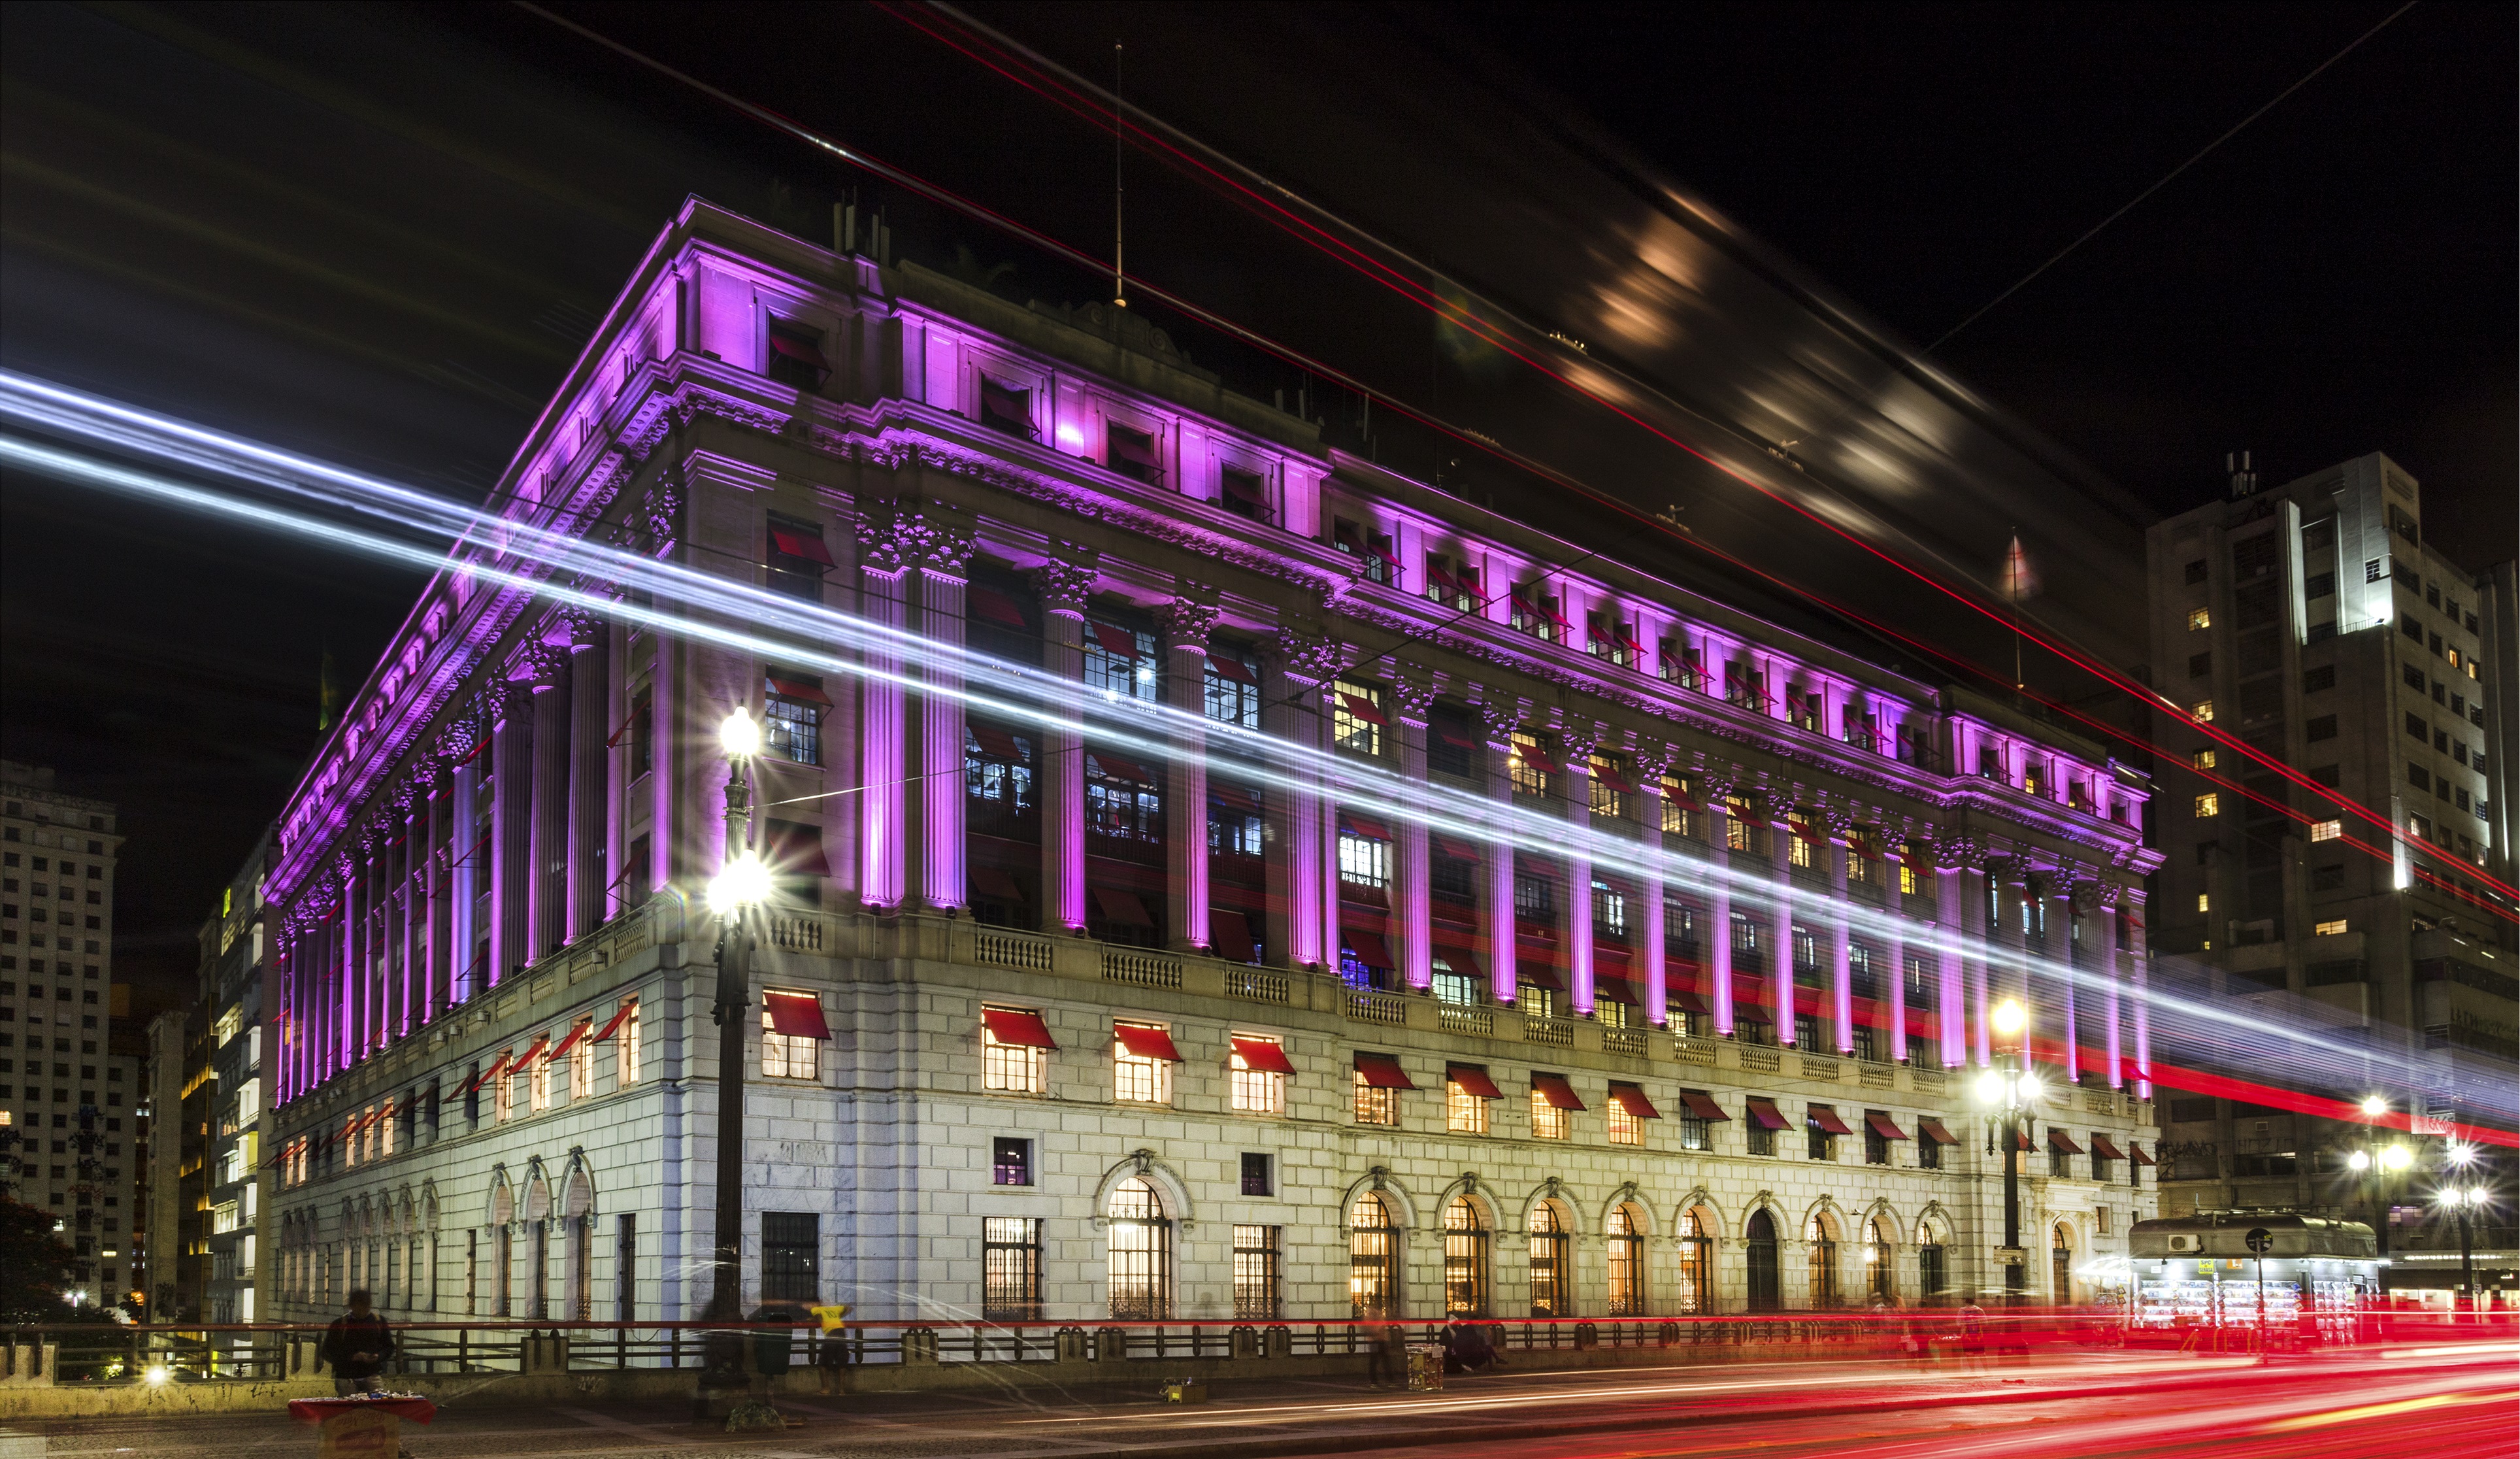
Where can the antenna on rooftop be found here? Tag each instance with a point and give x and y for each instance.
(2244, 476)
(1119, 212)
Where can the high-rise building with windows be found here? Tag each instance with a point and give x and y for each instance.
(66, 1100)
(236, 949)
(1213, 875)
(2347, 891)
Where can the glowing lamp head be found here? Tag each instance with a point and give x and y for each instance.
(2397, 1158)
(156, 1373)
(2459, 1155)
(2360, 1160)
(2030, 1089)
(1990, 1088)
(743, 882)
(2008, 1017)
(2374, 1107)
(738, 735)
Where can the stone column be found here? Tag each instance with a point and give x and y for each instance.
(2062, 951)
(467, 862)
(1064, 583)
(1718, 940)
(344, 999)
(1974, 934)
(1950, 1002)
(1652, 763)
(1413, 917)
(882, 720)
(510, 846)
(1499, 716)
(1780, 948)
(1838, 822)
(412, 984)
(2008, 945)
(1188, 621)
(2105, 929)
(547, 893)
(590, 781)
(1309, 662)
(1578, 743)
(944, 574)
(2141, 955)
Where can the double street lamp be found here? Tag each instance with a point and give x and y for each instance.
(2009, 1087)
(2462, 1201)
(2372, 1162)
(743, 883)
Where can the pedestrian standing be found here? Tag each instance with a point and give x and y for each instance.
(1384, 1356)
(356, 1345)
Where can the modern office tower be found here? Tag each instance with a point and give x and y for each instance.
(68, 1103)
(1214, 875)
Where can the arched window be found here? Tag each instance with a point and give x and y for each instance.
(2060, 1264)
(1696, 1263)
(1822, 1234)
(1372, 1259)
(1627, 1256)
(1141, 1239)
(1760, 1249)
(1465, 1260)
(1933, 1268)
(1879, 1257)
(1552, 1289)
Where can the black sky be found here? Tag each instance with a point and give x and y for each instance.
(380, 233)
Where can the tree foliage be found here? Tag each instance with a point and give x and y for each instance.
(36, 1266)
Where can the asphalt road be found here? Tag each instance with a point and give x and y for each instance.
(2431, 1403)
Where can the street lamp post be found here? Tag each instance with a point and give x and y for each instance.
(742, 883)
(2464, 1200)
(2009, 1086)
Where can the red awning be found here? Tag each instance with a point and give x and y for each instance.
(1554, 1089)
(1226, 666)
(1132, 445)
(1245, 488)
(2137, 1151)
(1363, 709)
(806, 545)
(1368, 949)
(2059, 1140)
(1233, 795)
(1365, 826)
(1763, 1111)
(1537, 975)
(1266, 1055)
(1230, 933)
(798, 349)
(584, 1027)
(795, 850)
(1017, 1027)
(995, 740)
(1117, 767)
(541, 1042)
(1612, 778)
(2105, 1148)
(1114, 640)
(618, 1017)
(996, 882)
(1382, 1071)
(1123, 908)
(1884, 1127)
(1826, 1119)
(1457, 850)
(1450, 735)
(995, 607)
(1148, 1043)
(1685, 1001)
(1704, 1105)
(802, 691)
(1001, 401)
(1463, 961)
(1679, 794)
(1632, 1098)
(796, 1015)
(1616, 990)
(1473, 1082)
(1537, 757)
(1442, 578)
(1933, 1130)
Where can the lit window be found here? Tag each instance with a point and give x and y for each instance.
(1357, 718)
(1009, 1067)
(2202, 760)
(581, 1062)
(2204, 902)
(1803, 852)
(2209, 804)
(2203, 712)
(1375, 1104)
(1548, 1121)
(788, 1056)
(1528, 765)
(791, 717)
(626, 1050)
(1257, 1090)
(1364, 860)
(2199, 618)
(1464, 1113)
(1909, 884)
(2326, 829)
(2334, 929)
(1625, 1127)
(1142, 1078)
(503, 1098)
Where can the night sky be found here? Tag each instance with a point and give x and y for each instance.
(381, 234)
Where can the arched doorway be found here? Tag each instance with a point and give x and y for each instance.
(1552, 1286)
(1822, 1235)
(1697, 1262)
(1626, 1240)
(1933, 1263)
(1880, 1254)
(1372, 1259)
(1141, 1239)
(2060, 1267)
(1760, 1248)
(1465, 1260)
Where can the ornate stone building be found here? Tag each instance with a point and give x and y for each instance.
(1217, 876)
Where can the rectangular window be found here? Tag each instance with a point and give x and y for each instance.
(791, 1256)
(1232, 689)
(1536, 613)
(1364, 860)
(581, 1062)
(997, 773)
(1465, 1110)
(1011, 1269)
(1760, 1139)
(1142, 1078)
(503, 1096)
(1356, 718)
(1528, 765)
(1535, 897)
(2329, 830)
(1548, 1121)
(2332, 929)
(1259, 1087)
(1256, 1273)
(1120, 662)
(1258, 1178)
(1010, 1160)
(1819, 1143)
(1626, 1128)
(2199, 620)
(2203, 711)
(791, 717)
(1121, 799)
(797, 559)
(2209, 804)
(625, 1049)
(1132, 454)
(1609, 912)
(1246, 495)
(793, 1054)
(1375, 1104)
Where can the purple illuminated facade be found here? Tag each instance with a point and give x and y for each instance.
(1781, 871)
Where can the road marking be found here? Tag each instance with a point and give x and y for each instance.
(2380, 1410)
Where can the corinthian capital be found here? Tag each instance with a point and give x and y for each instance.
(1313, 657)
(1066, 579)
(1190, 617)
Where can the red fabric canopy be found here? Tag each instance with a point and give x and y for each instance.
(806, 545)
(1019, 1028)
(1457, 850)
(1464, 960)
(1245, 488)
(798, 349)
(2059, 1140)
(995, 607)
(1538, 758)
(1119, 767)
(1537, 975)
(1554, 1089)
(1884, 1127)
(2105, 1148)
(1233, 795)
(1703, 1106)
(2137, 1151)
(1763, 1111)
(1114, 640)
(1122, 907)
(1382, 1071)
(796, 1015)
(1148, 1043)
(1473, 1082)
(995, 740)
(997, 881)
(1363, 825)
(1616, 990)
(487, 1074)
(1266, 1055)
(1363, 709)
(1933, 1130)
(619, 1015)
(1132, 445)
(1687, 1001)
(1632, 1098)
(1368, 949)
(1230, 933)
(1226, 666)
(802, 691)
(1826, 1119)
(584, 1027)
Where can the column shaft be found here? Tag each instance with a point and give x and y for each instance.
(511, 834)
(1499, 907)
(1651, 931)
(1716, 942)
(2062, 958)
(1413, 913)
(1780, 948)
(1186, 898)
(1579, 877)
(1062, 773)
(941, 593)
(547, 893)
(1841, 970)
(883, 829)
(590, 790)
